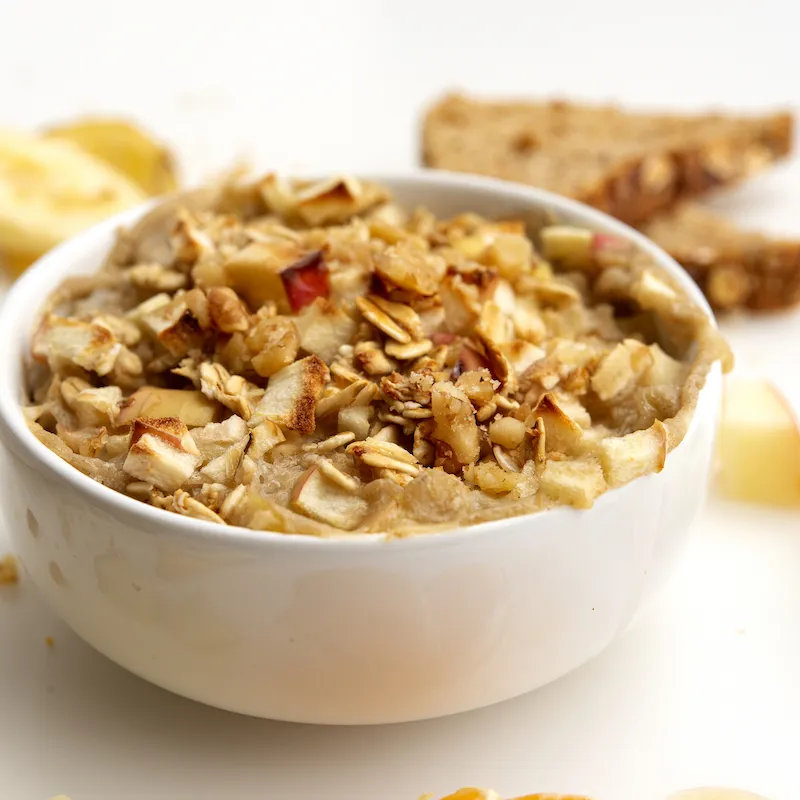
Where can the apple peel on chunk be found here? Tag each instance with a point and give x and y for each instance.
(758, 445)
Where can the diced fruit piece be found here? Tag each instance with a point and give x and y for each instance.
(90, 345)
(319, 497)
(292, 395)
(576, 482)
(305, 280)
(324, 329)
(255, 272)
(193, 408)
(758, 445)
(639, 453)
(580, 248)
(162, 453)
(567, 245)
(563, 434)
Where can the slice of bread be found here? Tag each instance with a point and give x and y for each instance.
(631, 165)
(734, 268)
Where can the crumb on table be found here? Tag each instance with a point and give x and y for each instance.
(9, 572)
(49, 641)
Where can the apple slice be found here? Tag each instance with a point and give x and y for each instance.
(758, 445)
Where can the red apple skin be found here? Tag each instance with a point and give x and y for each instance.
(607, 246)
(468, 360)
(306, 280)
(443, 337)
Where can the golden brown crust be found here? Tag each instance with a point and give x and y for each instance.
(628, 165)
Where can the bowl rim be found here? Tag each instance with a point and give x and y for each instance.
(23, 301)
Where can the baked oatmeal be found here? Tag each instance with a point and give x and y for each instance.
(312, 358)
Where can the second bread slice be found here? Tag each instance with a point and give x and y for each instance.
(630, 165)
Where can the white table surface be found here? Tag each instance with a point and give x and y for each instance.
(706, 688)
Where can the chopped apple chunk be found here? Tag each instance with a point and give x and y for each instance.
(193, 408)
(758, 445)
(318, 496)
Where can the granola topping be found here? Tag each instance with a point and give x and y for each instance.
(311, 358)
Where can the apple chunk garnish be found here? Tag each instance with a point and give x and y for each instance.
(276, 271)
(758, 445)
(306, 280)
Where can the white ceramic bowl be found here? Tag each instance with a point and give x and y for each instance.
(353, 631)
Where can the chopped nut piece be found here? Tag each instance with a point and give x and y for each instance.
(292, 395)
(275, 342)
(455, 422)
(411, 268)
(228, 312)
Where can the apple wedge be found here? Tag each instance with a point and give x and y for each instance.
(758, 445)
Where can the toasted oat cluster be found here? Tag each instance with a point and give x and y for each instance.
(312, 358)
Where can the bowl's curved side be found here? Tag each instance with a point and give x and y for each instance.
(355, 636)
(339, 632)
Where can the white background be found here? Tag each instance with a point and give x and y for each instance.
(707, 688)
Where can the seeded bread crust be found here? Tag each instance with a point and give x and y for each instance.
(734, 268)
(630, 165)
